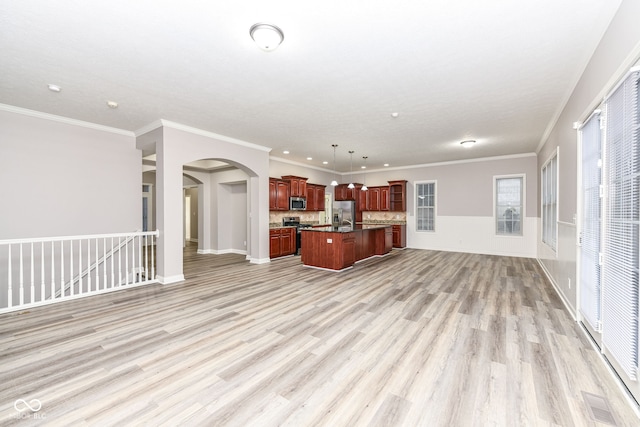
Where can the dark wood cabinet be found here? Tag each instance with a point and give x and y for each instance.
(315, 197)
(297, 185)
(362, 204)
(397, 196)
(278, 195)
(384, 198)
(399, 235)
(342, 192)
(282, 241)
(373, 199)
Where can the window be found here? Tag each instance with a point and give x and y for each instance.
(621, 228)
(508, 197)
(591, 221)
(549, 186)
(425, 206)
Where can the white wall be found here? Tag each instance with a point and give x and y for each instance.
(59, 178)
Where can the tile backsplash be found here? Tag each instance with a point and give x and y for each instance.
(316, 217)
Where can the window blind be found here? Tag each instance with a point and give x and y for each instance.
(425, 206)
(550, 202)
(590, 284)
(620, 239)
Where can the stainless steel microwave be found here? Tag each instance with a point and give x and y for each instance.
(297, 203)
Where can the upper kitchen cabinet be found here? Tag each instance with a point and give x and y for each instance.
(279, 192)
(384, 198)
(343, 192)
(315, 197)
(397, 196)
(373, 199)
(297, 185)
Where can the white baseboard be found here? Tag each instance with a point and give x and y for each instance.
(170, 279)
(221, 252)
(259, 260)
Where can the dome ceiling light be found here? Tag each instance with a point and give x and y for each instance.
(268, 37)
(468, 143)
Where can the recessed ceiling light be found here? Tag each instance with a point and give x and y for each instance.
(112, 104)
(395, 115)
(54, 88)
(309, 158)
(325, 163)
(468, 143)
(363, 167)
(386, 165)
(286, 151)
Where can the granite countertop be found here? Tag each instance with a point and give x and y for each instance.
(346, 228)
(277, 225)
(384, 221)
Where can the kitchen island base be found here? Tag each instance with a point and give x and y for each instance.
(338, 248)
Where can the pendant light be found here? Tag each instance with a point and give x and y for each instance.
(334, 182)
(364, 175)
(351, 183)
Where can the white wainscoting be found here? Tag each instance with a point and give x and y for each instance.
(560, 266)
(474, 235)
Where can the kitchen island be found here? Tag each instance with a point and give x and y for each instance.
(337, 248)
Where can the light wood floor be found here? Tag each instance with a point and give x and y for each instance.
(415, 338)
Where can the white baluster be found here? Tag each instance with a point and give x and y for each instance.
(42, 284)
(140, 259)
(53, 271)
(71, 267)
(80, 274)
(126, 262)
(62, 269)
(10, 288)
(119, 261)
(113, 277)
(97, 268)
(153, 264)
(104, 262)
(146, 258)
(89, 265)
(33, 283)
(21, 278)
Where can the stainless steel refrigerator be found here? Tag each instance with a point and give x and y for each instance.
(344, 213)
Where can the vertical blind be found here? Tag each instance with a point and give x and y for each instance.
(590, 285)
(620, 239)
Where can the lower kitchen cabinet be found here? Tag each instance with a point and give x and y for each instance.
(282, 241)
(399, 236)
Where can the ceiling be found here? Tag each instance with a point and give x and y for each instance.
(497, 71)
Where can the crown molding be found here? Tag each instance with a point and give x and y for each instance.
(65, 120)
(196, 131)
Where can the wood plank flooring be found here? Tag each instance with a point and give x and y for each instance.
(416, 338)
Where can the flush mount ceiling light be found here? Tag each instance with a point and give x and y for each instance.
(268, 37)
(334, 182)
(54, 88)
(468, 143)
(112, 104)
(351, 169)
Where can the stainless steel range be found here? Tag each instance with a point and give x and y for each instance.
(294, 221)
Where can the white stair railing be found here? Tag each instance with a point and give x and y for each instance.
(46, 270)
